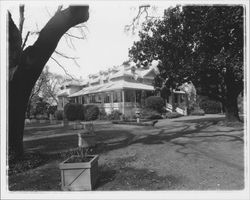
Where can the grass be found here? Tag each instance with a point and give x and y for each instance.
(191, 154)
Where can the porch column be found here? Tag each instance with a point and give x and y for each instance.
(123, 102)
(62, 103)
(135, 98)
(112, 99)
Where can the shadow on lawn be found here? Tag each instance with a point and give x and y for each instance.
(121, 176)
(109, 140)
(213, 120)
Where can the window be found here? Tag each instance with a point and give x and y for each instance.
(92, 98)
(99, 98)
(117, 96)
(106, 98)
(86, 101)
(129, 96)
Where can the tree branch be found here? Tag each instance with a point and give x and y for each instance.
(65, 56)
(135, 21)
(74, 36)
(25, 40)
(21, 18)
(36, 56)
(68, 57)
(60, 65)
(15, 43)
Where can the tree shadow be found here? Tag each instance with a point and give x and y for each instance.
(118, 176)
(213, 120)
(106, 175)
(107, 140)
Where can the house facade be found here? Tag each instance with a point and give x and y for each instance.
(123, 88)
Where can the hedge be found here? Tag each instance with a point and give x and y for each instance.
(114, 115)
(171, 115)
(154, 103)
(150, 114)
(210, 106)
(74, 111)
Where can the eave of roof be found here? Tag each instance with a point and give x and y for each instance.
(63, 94)
(117, 85)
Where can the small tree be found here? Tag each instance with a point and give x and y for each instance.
(40, 107)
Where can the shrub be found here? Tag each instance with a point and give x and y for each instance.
(91, 112)
(74, 111)
(150, 114)
(155, 103)
(210, 106)
(115, 115)
(171, 115)
(51, 110)
(59, 115)
(198, 112)
(102, 114)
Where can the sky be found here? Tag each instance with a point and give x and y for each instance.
(106, 42)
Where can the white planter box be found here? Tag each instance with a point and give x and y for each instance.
(79, 176)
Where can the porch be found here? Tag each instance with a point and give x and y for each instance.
(124, 100)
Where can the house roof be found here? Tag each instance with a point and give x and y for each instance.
(117, 85)
(63, 94)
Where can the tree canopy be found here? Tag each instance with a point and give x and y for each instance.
(201, 44)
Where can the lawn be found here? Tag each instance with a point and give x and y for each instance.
(187, 153)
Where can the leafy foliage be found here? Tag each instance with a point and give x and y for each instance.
(114, 115)
(155, 103)
(59, 115)
(150, 114)
(197, 112)
(51, 110)
(201, 44)
(74, 111)
(91, 112)
(210, 106)
(40, 107)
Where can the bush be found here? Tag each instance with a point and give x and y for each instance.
(91, 112)
(155, 103)
(59, 115)
(150, 114)
(51, 110)
(171, 115)
(210, 106)
(115, 115)
(74, 111)
(102, 114)
(198, 112)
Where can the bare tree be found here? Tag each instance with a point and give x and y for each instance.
(26, 65)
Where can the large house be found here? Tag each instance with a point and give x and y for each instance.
(122, 88)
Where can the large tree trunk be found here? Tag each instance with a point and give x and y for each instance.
(231, 109)
(26, 66)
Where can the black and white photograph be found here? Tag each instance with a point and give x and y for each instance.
(124, 99)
